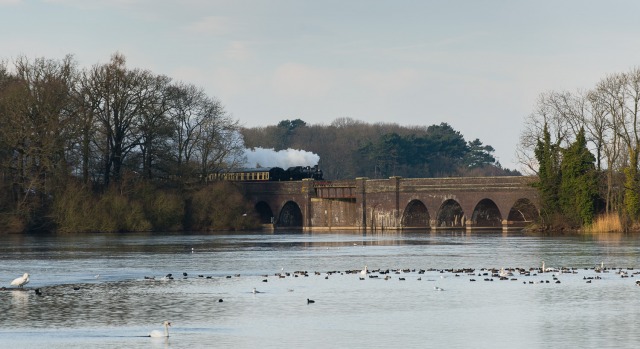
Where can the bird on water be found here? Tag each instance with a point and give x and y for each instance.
(21, 281)
(160, 334)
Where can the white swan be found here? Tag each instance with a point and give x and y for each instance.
(159, 334)
(505, 273)
(548, 269)
(21, 281)
(364, 271)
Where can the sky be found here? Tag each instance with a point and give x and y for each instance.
(477, 65)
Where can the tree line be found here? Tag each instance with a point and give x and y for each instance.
(114, 148)
(584, 147)
(62, 127)
(350, 148)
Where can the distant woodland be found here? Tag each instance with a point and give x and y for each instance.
(349, 148)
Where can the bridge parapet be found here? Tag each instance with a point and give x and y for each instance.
(345, 189)
(468, 183)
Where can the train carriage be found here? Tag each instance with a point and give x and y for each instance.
(270, 174)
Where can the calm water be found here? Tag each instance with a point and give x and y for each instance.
(95, 293)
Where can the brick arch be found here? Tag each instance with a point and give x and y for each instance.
(486, 214)
(264, 211)
(416, 215)
(290, 215)
(523, 211)
(450, 215)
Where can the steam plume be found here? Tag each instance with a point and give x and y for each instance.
(261, 157)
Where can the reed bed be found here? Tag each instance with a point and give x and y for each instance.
(606, 223)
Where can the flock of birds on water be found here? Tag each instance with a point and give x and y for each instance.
(486, 274)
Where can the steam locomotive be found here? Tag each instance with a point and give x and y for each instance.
(296, 173)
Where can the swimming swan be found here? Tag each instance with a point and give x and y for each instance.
(21, 281)
(158, 334)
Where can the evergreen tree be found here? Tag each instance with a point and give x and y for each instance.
(548, 173)
(447, 149)
(632, 187)
(579, 184)
(478, 154)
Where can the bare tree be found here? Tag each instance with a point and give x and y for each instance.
(187, 113)
(630, 134)
(119, 97)
(551, 109)
(37, 127)
(220, 146)
(603, 126)
(154, 125)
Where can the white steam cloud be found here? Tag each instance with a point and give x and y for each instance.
(261, 157)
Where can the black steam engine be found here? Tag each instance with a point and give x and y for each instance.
(296, 173)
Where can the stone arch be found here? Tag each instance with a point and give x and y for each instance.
(265, 214)
(290, 215)
(523, 211)
(450, 215)
(486, 215)
(415, 215)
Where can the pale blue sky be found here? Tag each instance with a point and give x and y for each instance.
(478, 65)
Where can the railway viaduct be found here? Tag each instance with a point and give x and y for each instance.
(396, 203)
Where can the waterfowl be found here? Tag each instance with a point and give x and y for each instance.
(159, 334)
(21, 281)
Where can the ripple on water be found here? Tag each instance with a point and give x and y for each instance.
(76, 310)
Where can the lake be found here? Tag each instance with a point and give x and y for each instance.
(423, 289)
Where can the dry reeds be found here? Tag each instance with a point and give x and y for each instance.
(606, 223)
